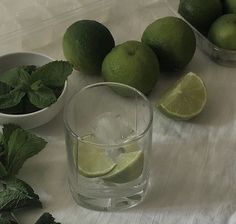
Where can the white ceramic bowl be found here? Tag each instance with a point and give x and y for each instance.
(40, 117)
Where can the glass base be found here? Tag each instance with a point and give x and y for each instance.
(109, 203)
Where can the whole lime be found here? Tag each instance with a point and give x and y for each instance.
(85, 45)
(223, 32)
(172, 40)
(200, 13)
(229, 6)
(132, 63)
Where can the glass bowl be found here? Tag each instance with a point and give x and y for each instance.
(219, 55)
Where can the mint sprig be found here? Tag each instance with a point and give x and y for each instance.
(16, 146)
(19, 145)
(37, 85)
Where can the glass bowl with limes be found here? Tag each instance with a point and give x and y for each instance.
(214, 26)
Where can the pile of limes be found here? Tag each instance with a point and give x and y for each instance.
(214, 18)
(167, 44)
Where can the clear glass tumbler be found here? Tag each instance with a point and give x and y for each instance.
(108, 128)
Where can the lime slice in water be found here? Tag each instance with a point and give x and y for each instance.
(185, 99)
(93, 161)
(129, 167)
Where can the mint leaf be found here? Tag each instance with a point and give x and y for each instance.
(11, 99)
(46, 218)
(2, 152)
(21, 146)
(1, 139)
(7, 131)
(15, 77)
(17, 194)
(40, 95)
(4, 88)
(3, 172)
(7, 218)
(18, 109)
(37, 85)
(53, 74)
(5, 221)
(28, 107)
(29, 68)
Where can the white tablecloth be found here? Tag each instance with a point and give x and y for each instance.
(193, 171)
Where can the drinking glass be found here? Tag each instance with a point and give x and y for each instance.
(108, 128)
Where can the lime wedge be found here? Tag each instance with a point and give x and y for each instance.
(93, 161)
(129, 167)
(185, 99)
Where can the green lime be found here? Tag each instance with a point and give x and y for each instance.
(185, 99)
(85, 45)
(223, 32)
(172, 40)
(93, 161)
(200, 13)
(129, 167)
(132, 63)
(229, 6)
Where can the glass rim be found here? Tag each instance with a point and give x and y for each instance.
(137, 137)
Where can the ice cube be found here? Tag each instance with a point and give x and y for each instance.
(110, 128)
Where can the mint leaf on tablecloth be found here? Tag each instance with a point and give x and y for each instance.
(46, 218)
(53, 74)
(15, 77)
(11, 99)
(17, 194)
(40, 95)
(21, 146)
(7, 131)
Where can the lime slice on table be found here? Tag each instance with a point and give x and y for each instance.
(129, 167)
(93, 161)
(185, 99)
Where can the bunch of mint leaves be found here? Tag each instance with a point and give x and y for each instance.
(16, 146)
(26, 89)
